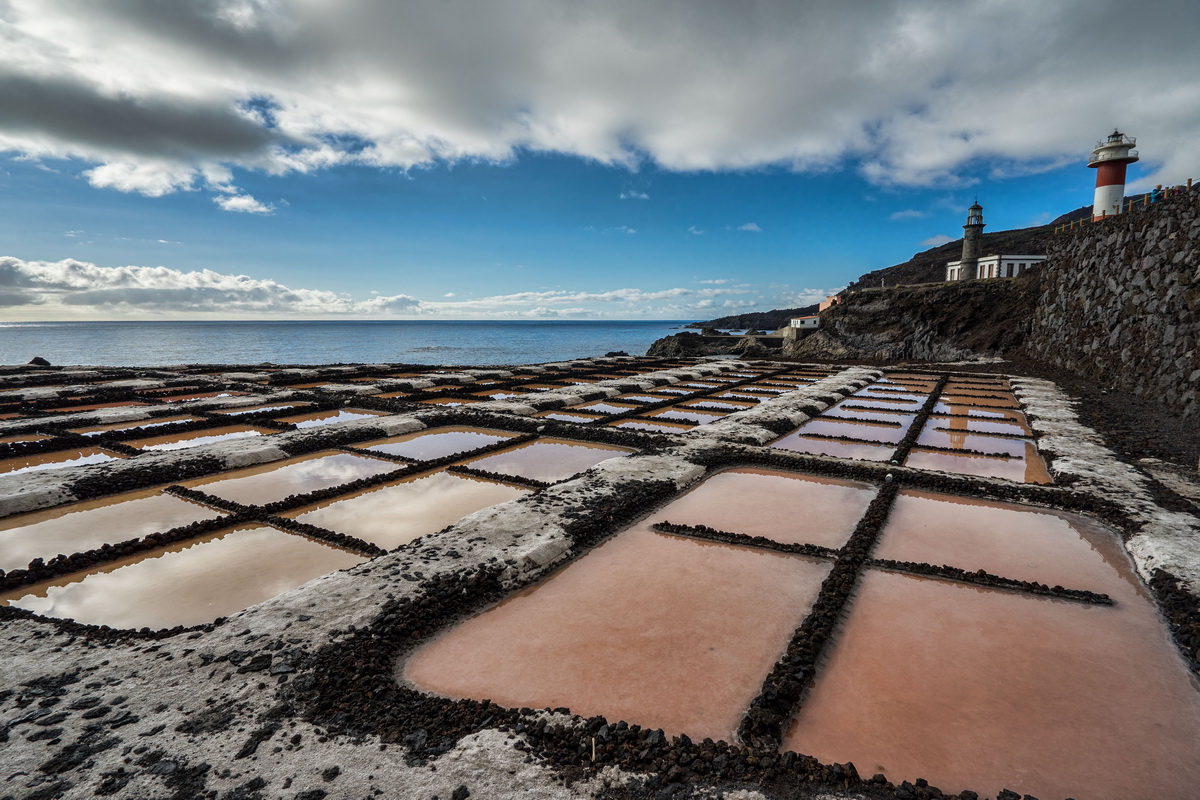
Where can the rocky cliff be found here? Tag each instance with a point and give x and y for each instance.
(690, 345)
(940, 322)
(949, 322)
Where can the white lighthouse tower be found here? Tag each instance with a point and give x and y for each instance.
(1109, 160)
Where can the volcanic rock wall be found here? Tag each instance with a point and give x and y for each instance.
(1120, 303)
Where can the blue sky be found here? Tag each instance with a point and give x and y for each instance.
(647, 163)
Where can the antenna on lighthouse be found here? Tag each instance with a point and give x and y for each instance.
(1109, 159)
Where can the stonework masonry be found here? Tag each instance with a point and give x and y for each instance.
(1120, 303)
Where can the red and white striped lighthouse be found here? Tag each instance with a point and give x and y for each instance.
(1109, 160)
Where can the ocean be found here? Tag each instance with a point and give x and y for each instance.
(131, 344)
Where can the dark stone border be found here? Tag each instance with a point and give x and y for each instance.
(784, 688)
(990, 580)
(501, 477)
(141, 476)
(905, 446)
(1182, 611)
(744, 540)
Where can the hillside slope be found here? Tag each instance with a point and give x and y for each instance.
(929, 266)
(760, 320)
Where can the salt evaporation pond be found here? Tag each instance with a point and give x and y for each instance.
(86, 526)
(394, 514)
(189, 583)
(649, 628)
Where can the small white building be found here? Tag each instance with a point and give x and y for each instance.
(805, 323)
(1002, 266)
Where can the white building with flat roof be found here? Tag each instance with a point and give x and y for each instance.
(1002, 266)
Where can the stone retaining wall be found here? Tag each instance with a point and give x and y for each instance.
(1120, 303)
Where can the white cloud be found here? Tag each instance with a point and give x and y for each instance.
(908, 213)
(79, 289)
(151, 178)
(634, 195)
(695, 231)
(162, 97)
(718, 282)
(750, 226)
(243, 203)
(81, 286)
(935, 241)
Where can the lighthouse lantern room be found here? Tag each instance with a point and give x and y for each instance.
(1109, 160)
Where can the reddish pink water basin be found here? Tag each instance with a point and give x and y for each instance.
(784, 506)
(1000, 400)
(394, 514)
(182, 441)
(800, 443)
(1011, 427)
(982, 689)
(547, 459)
(961, 409)
(437, 442)
(656, 630)
(1028, 469)
(866, 430)
(1015, 541)
(934, 435)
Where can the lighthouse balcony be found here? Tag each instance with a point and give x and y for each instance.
(1110, 153)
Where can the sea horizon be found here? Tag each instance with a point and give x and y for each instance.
(451, 342)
